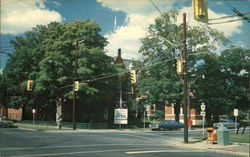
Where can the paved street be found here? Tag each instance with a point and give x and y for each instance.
(17, 142)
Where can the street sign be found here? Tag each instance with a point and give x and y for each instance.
(121, 116)
(203, 113)
(236, 112)
(203, 107)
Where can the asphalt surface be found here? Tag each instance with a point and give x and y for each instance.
(16, 142)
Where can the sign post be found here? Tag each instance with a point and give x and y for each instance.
(203, 113)
(236, 113)
(34, 112)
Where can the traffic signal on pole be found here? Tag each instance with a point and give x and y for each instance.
(200, 10)
(76, 85)
(133, 76)
(179, 65)
(29, 85)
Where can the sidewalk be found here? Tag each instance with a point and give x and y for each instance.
(241, 149)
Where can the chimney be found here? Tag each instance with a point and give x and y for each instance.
(119, 52)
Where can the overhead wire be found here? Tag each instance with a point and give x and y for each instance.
(237, 12)
(228, 16)
(139, 68)
(225, 21)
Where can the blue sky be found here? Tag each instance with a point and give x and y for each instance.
(133, 17)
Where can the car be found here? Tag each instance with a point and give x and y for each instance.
(166, 125)
(228, 123)
(6, 122)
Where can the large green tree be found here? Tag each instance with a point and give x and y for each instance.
(161, 47)
(47, 55)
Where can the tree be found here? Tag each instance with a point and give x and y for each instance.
(161, 47)
(235, 66)
(46, 54)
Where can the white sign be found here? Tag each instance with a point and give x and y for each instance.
(236, 112)
(203, 107)
(203, 113)
(121, 116)
(33, 110)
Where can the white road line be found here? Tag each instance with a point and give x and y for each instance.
(74, 146)
(81, 152)
(163, 151)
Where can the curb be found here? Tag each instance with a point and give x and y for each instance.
(215, 150)
(228, 152)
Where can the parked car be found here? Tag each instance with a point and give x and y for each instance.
(166, 125)
(6, 122)
(229, 124)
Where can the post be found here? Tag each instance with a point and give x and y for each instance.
(236, 113)
(33, 113)
(120, 85)
(74, 92)
(184, 55)
(235, 125)
(203, 123)
(144, 116)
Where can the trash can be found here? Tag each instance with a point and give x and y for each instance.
(211, 135)
(223, 136)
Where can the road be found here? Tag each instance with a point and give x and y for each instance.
(17, 142)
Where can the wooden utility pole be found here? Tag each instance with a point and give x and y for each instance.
(184, 56)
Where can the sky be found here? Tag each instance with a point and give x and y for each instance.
(123, 22)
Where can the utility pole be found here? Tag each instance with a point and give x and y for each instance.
(184, 56)
(74, 91)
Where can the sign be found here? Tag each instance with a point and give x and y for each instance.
(203, 113)
(190, 122)
(203, 107)
(236, 112)
(33, 110)
(121, 116)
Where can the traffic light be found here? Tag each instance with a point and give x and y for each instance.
(200, 10)
(29, 85)
(76, 85)
(179, 66)
(133, 76)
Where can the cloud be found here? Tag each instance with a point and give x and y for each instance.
(141, 13)
(229, 29)
(19, 16)
(135, 6)
(127, 37)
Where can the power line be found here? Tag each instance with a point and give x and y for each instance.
(156, 7)
(237, 12)
(224, 17)
(225, 21)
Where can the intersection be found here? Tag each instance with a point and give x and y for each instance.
(16, 142)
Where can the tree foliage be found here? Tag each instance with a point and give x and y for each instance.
(47, 55)
(159, 81)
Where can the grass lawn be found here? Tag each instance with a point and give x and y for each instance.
(38, 127)
(245, 138)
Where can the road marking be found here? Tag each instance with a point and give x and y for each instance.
(163, 151)
(74, 146)
(81, 152)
